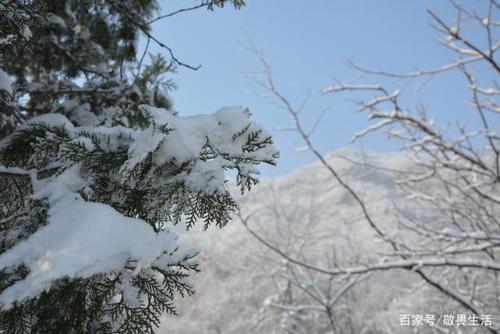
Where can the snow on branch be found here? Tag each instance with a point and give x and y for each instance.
(176, 164)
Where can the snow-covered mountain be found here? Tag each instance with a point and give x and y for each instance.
(307, 214)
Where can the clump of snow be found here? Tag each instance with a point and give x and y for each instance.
(85, 141)
(7, 39)
(205, 176)
(145, 142)
(51, 119)
(80, 240)
(131, 294)
(27, 34)
(79, 113)
(192, 133)
(56, 20)
(5, 82)
(179, 140)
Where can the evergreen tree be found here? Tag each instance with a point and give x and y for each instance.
(96, 169)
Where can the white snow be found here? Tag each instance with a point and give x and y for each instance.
(86, 142)
(27, 33)
(80, 240)
(205, 176)
(5, 82)
(83, 238)
(145, 142)
(51, 119)
(56, 20)
(80, 113)
(130, 293)
(192, 133)
(186, 141)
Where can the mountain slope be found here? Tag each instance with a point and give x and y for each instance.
(308, 215)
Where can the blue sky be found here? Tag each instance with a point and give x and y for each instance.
(307, 41)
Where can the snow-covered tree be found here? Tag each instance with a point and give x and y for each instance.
(447, 217)
(96, 168)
